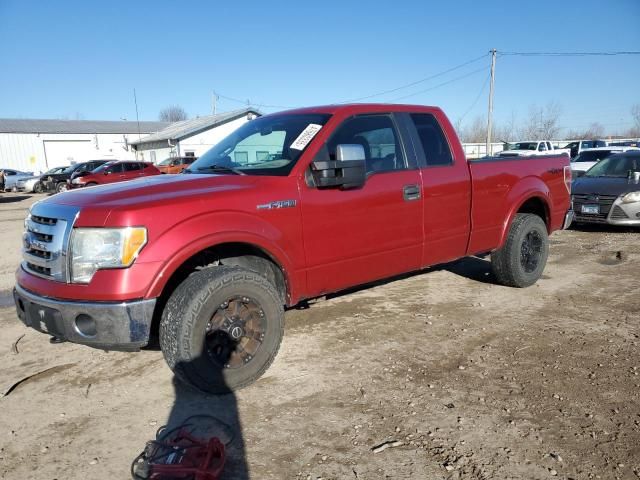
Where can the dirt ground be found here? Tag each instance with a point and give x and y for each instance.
(469, 380)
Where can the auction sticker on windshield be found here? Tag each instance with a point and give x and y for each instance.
(306, 136)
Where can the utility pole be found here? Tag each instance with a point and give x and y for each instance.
(135, 100)
(214, 100)
(489, 119)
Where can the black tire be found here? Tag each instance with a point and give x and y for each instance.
(521, 260)
(91, 184)
(61, 187)
(38, 188)
(186, 333)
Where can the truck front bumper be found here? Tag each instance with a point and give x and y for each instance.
(105, 325)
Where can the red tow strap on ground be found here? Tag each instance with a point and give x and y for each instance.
(180, 456)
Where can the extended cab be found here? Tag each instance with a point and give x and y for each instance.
(325, 198)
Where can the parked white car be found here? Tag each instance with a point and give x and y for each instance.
(590, 156)
(531, 148)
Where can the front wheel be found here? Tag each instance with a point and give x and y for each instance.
(521, 260)
(37, 188)
(61, 187)
(221, 328)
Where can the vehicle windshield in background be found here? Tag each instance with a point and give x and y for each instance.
(70, 169)
(594, 156)
(166, 161)
(523, 146)
(264, 146)
(615, 166)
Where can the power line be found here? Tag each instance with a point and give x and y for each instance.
(248, 102)
(422, 80)
(473, 72)
(569, 54)
(484, 85)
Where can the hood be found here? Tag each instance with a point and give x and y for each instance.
(604, 185)
(168, 189)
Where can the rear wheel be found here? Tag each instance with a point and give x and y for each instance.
(61, 187)
(221, 328)
(521, 260)
(91, 184)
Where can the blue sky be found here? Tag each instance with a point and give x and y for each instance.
(83, 59)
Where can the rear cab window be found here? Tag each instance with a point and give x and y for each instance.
(435, 146)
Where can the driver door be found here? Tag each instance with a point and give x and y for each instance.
(356, 236)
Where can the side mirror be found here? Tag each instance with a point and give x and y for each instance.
(107, 172)
(348, 170)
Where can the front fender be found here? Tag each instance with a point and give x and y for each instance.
(195, 234)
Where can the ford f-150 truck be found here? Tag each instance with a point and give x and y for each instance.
(291, 206)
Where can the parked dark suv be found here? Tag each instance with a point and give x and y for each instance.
(59, 182)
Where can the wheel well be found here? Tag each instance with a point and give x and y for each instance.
(536, 206)
(233, 254)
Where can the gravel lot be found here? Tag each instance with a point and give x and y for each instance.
(467, 379)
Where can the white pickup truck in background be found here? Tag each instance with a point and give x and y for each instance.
(529, 148)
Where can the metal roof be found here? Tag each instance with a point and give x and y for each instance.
(24, 125)
(187, 128)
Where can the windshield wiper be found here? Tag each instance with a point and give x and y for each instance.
(218, 168)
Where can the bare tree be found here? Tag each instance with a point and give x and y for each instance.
(635, 113)
(174, 113)
(595, 130)
(542, 122)
(476, 132)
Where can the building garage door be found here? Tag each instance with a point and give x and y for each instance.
(67, 152)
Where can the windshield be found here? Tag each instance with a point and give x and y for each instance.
(594, 156)
(165, 162)
(265, 146)
(102, 167)
(523, 146)
(615, 166)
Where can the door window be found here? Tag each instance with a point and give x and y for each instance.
(116, 168)
(434, 143)
(378, 138)
(132, 167)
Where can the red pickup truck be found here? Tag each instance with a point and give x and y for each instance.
(290, 206)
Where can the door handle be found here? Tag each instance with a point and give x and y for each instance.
(411, 192)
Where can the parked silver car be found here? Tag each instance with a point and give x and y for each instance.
(34, 184)
(11, 178)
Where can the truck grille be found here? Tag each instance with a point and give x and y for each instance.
(45, 240)
(603, 201)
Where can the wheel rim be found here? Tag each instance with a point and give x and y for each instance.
(62, 188)
(531, 251)
(235, 332)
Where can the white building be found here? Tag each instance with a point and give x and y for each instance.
(38, 145)
(191, 137)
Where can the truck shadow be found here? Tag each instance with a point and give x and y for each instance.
(475, 268)
(205, 416)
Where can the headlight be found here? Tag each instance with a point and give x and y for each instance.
(76, 181)
(93, 249)
(631, 197)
